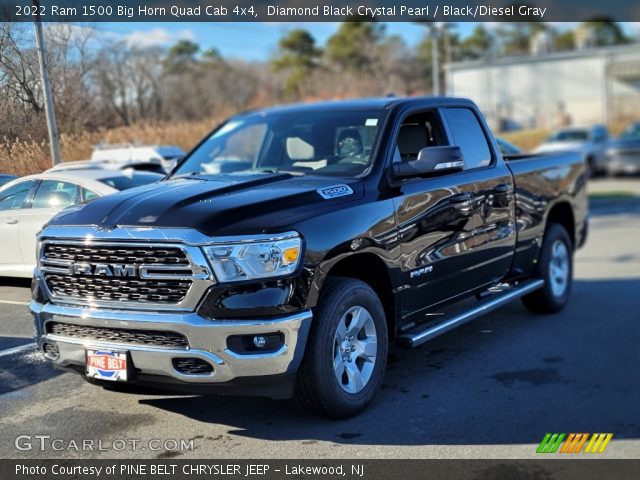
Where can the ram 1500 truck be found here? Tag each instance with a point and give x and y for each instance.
(293, 246)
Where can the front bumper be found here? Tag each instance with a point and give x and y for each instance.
(207, 341)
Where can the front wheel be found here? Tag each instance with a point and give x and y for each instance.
(556, 268)
(346, 353)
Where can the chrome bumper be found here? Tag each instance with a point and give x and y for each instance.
(207, 341)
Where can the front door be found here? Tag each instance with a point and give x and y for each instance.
(14, 200)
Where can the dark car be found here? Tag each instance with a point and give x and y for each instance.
(623, 154)
(6, 178)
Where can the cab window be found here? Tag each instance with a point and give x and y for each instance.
(467, 134)
(15, 196)
(55, 194)
(417, 132)
(88, 195)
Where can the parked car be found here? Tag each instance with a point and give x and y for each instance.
(154, 167)
(352, 226)
(122, 154)
(149, 158)
(506, 148)
(623, 154)
(591, 142)
(28, 203)
(6, 178)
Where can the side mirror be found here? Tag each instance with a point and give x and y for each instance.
(431, 161)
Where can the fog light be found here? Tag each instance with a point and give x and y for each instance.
(253, 344)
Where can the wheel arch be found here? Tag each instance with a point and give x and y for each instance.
(562, 214)
(372, 270)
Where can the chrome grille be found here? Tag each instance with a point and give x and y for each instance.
(167, 272)
(114, 254)
(117, 289)
(156, 338)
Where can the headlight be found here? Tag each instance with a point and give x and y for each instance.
(249, 260)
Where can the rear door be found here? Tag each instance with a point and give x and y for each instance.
(435, 221)
(14, 200)
(493, 231)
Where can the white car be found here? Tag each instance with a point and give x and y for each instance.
(27, 203)
(150, 158)
(590, 141)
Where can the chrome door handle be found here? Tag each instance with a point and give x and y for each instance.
(11, 221)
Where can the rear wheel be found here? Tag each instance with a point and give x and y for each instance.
(556, 268)
(346, 352)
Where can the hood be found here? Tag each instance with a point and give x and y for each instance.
(560, 147)
(234, 204)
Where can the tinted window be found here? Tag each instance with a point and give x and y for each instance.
(55, 194)
(468, 135)
(14, 197)
(131, 180)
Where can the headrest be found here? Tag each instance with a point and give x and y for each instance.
(412, 138)
(298, 149)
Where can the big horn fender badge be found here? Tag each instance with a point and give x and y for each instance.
(335, 191)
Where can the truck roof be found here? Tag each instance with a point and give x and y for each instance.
(363, 104)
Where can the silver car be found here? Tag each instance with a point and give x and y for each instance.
(27, 203)
(590, 141)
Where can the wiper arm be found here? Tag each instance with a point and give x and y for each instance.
(185, 175)
(272, 170)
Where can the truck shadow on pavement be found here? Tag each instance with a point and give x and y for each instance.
(23, 368)
(504, 379)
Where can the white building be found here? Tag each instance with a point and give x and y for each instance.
(583, 86)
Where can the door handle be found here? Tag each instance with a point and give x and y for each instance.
(460, 197)
(502, 189)
(11, 221)
(501, 195)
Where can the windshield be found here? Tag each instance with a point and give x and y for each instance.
(569, 136)
(131, 180)
(334, 143)
(632, 132)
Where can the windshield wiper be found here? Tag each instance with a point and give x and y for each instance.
(291, 172)
(185, 175)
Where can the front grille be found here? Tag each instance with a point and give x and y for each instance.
(115, 254)
(117, 289)
(155, 338)
(58, 258)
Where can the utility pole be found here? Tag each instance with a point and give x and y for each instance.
(435, 61)
(46, 90)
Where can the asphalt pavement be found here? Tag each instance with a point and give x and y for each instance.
(490, 389)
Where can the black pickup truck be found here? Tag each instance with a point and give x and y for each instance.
(293, 246)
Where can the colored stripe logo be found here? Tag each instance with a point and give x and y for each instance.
(574, 443)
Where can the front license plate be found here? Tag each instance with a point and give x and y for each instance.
(107, 365)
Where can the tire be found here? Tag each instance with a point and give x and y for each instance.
(339, 379)
(592, 171)
(556, 269)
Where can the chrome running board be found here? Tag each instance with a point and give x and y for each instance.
(421, 334)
